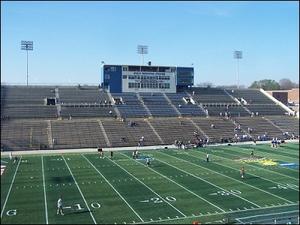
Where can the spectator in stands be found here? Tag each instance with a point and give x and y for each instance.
(236, 138)
(221, 114)
(70, 117)
(249, 130)
(212, 126)
(110, 112)
(293, 136)
(244, 136)
(256, 113)
(252, 114)
(141, 141)
(176, 143)
(193, 92)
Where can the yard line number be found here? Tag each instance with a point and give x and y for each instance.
(159, 200)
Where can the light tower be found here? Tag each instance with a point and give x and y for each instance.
(142, 49)
(28, 46)
(102, 78)
(237, 55)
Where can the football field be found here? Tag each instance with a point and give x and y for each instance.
(179, 186)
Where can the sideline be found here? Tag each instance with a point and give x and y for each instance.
(155, 147)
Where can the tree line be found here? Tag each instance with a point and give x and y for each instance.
(266, 84)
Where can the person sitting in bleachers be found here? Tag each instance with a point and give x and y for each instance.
(212, 126)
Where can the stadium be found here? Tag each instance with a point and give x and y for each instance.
(146, 146)
(97, 129)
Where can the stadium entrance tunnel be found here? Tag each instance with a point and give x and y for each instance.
(50, 101)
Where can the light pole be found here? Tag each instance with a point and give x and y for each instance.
(142, 49)
(237, 55)
(102, 78)
(28, 46)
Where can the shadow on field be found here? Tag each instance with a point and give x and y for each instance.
(79, 212)
(62, 179)
(252, 177)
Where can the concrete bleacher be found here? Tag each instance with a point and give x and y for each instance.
(154, 102)
(252, 96)
(89, 110)
(286, 123)
(223, 128)
(15, 95)
(29, 111)
(131, 106)
(77, 134)
(171, 129)
(81, 95)
(121, 134)
(210, 95)
(18, 102)
(24, 113)
(260, 127)
(266, 109)
(186, 109)
(256, 102)
(23, 135)
(231, 109)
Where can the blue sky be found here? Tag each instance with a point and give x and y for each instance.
(72, 38)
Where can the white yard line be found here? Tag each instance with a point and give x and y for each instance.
(44, 185)
(149, 188)
(248, 173)
(206, 181)
(191, 217)
(80, 192)
(10, 187)
(178, 184)
(269, 214)
(114, 189)
(264, 169)
(230, 178)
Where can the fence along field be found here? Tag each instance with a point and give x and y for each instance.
(177, 187)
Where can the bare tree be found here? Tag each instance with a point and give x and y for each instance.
(205, 84)
(287, 84)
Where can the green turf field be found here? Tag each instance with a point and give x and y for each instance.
(179, 186)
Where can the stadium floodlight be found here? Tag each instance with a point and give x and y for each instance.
(102, 78)
(28, 46)
(237, 55)
(142, 49)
